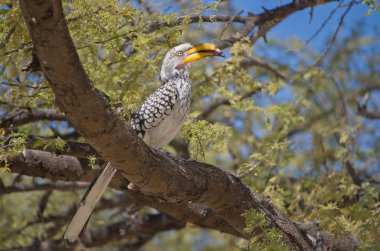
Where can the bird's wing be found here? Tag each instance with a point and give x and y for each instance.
(155, 109)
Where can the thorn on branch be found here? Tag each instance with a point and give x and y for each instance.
(265, 38)
(311, 13)
(264, 9)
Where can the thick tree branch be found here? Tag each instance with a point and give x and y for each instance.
(211, 19)
(70, 147)
(59, 167)
(346, 243)
(150, 172)
(268, 19)
(59, 220)
(43, 164)
(145, 225)
(133, 228)
(17, 188)
(26, 116)
(251, 21)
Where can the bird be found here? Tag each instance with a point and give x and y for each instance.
(157, 121)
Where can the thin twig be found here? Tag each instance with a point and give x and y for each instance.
(261, 63)
(341, 98)
(316, 33)
(207, 112)
(333, 38)
(8, 36)
(228, 24)
(75, 18)
(363, 111)
(352, 172)
(146, 6)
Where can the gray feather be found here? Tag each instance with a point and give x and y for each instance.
(86, 206)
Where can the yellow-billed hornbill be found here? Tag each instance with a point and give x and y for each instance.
(157, 121)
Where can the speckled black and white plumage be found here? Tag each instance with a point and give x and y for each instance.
(161, 116)
(154, 110)
(157, 122)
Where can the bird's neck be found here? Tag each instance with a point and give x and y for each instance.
(178, 74)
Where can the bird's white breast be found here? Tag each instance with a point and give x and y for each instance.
(172, 124)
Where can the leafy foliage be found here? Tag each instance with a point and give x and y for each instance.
(288, 129)
(203, 136)
(270, 240)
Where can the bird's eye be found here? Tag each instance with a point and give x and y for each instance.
(180, 53)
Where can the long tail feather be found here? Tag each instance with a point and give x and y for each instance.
(88, 202)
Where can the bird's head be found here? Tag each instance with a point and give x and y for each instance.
(178, 59)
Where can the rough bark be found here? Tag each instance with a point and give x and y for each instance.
(146, 225)
(27, 116)
(47, 165)
(42, 164)
(150, 172)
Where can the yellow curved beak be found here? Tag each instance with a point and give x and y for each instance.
(200, 51)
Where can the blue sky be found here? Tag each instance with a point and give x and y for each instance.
(297, 25)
